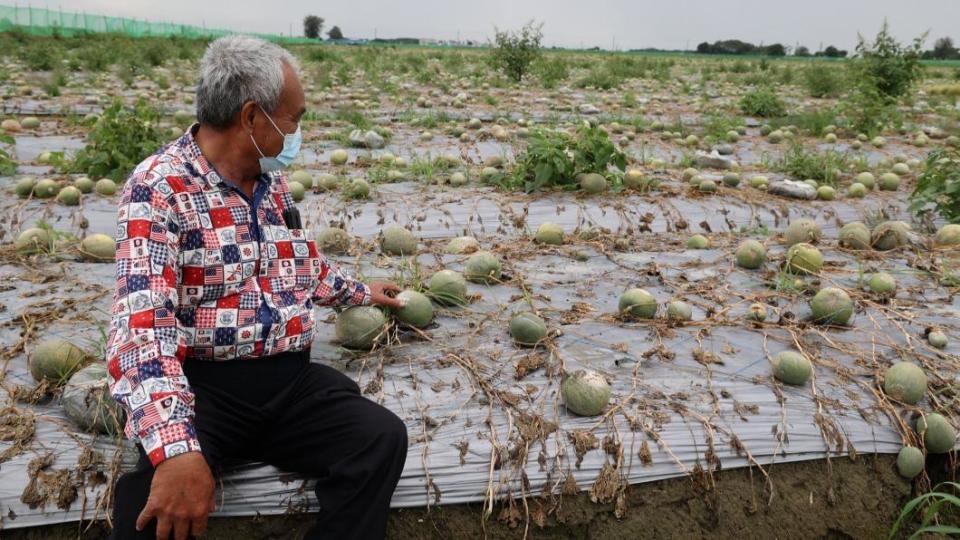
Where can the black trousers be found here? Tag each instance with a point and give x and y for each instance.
(300, 417)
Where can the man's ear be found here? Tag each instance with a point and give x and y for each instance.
(247, 113)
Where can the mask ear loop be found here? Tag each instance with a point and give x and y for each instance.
(257, 146)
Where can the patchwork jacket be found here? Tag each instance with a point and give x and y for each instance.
(206, 273)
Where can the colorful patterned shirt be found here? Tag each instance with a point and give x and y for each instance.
(205, 272)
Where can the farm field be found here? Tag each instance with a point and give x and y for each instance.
(782, 234)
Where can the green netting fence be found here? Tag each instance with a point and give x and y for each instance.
(48, 22)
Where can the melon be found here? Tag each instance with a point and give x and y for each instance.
(585, 393)
(948, 235)
(358, 188)
(867, 180)
(707, 186)
(803, 258)
(857, 190)
(698, 241)
(910, 462)
(98, 248)
(333, 240)
(830, 137)
(33, 240)
(638, 303)
(900, 169)
(527, 329)
(359, 327)
(938, 434)
(678, 310)
(86, 400)
(826, 193)
(878, 141)
(339, 157)
(890, 235)
(634, 179)
(84, 184)
(937, 338)
(751, 254)
(416, 311)
(689, 173)
(24, 187)
(792, 367)
(105, 187)
(398, 241)
(831, 306)
(489, 173)
(889, 182)
(756, 312)
(493, 161)
(462, 245)
(297, 190)
(812, 183)
(46, 189)
(483, 267)
(55, 360)
(883, 284)
(458, 179)
(303, 177)
(10, 125)
(448, 288)
(802, 230)
(326, 182)
(593, 183)
(69, 196)
(854, 235)
(731, 179)
(905, 382)
(549, 233)
(759, 182)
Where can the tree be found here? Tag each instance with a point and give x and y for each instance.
(704, 48)
(802, 50)
(335, 33)
(312, 25)
(943, 49)
(833, 52)
(776, 50)
(516, 51)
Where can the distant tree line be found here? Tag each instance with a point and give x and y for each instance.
(943, 49)
(313, 27)
(736, 46)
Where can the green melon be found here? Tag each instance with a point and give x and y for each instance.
(327, 182)
(333, 240)
(751, 254)
(756, 312)
(339, 157)
(900, 169)
(867, 180)
(634, 179)
(549, 233)
(707, 186)
(55, 360)
(69, 196)
(483, 267)
(24, 187)
(448, 288)
(792, 367)
(593, 183)
(678, 310)
(698, 241)
(759, 182)
(86, 400)
(938, 339)
(889, 182)
(462, 245)
(948, 235)
(33, 240)
(398, 241)
(417, 309)
(638, 303)
(358, 188)
(831, 306)
(359, 327)
(731, 179)
(689, 173)
(527, 329)
(84, 184)
(303, 177)
(826, 193)
(878, 141)
(857, 190)
(105, 187)
(46, 189)
(489, 173)
(458, 179)
(98, 248)
(585, 393)
(802, 230)
(938, 434)
(297, 190)
(910, 462)
(883, 283)
(803, 258)
(905, 382)
(890, 235)
(854, 235)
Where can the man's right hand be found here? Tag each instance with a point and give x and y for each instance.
(181, 497)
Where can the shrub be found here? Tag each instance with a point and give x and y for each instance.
(938, 186)
(554, 158)
(762, 102)
(516, 51)
(803, 164)
(551, 71)
(822, 81)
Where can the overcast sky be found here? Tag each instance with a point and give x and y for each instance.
(625, 24)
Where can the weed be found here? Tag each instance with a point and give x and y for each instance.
(763, 102)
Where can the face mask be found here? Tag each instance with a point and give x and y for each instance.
(291, 147)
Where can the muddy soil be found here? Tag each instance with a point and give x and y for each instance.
(843, 498)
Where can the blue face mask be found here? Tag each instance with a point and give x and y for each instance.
(291, 148)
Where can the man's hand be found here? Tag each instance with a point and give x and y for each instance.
(383, 294)
(181, 497)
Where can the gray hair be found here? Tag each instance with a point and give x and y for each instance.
(238, 69)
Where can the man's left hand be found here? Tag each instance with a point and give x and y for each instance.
(383, 293)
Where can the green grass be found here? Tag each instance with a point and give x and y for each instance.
(803, 164)
(929, 506)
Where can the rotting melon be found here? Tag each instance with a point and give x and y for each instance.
(890, 235)
(448, 288)
(831, 305)
(678, 310)
(857, 190)
(527, 329)
(936, 338)
(333, 240)
(303, 177)
(634, 179)
(883, 284)
(948, 235)
(105, 187)
(86, 400)
(24, 186)
(854, 235)
(326, 182)
(397, 240)
(939, 435)
(593, 183)
(638, 303)
(888, 182)
(803, 258)
(98, 248)
(792, 367)
(549, 233)
(84, 184)
(358, 188)
(910, 462)
(359, 327)
(483, 267)
(802, 230)
(462, 245)
(905, 382)
(751, 254)
(756, 312)
(46, 188)
(339, 157)
(55, 360)
(585, 393)
(417, 309)
(69, 196)
(698, 241)
(867, 180)
(33, 240)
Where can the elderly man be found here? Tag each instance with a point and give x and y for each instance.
(213, 319)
